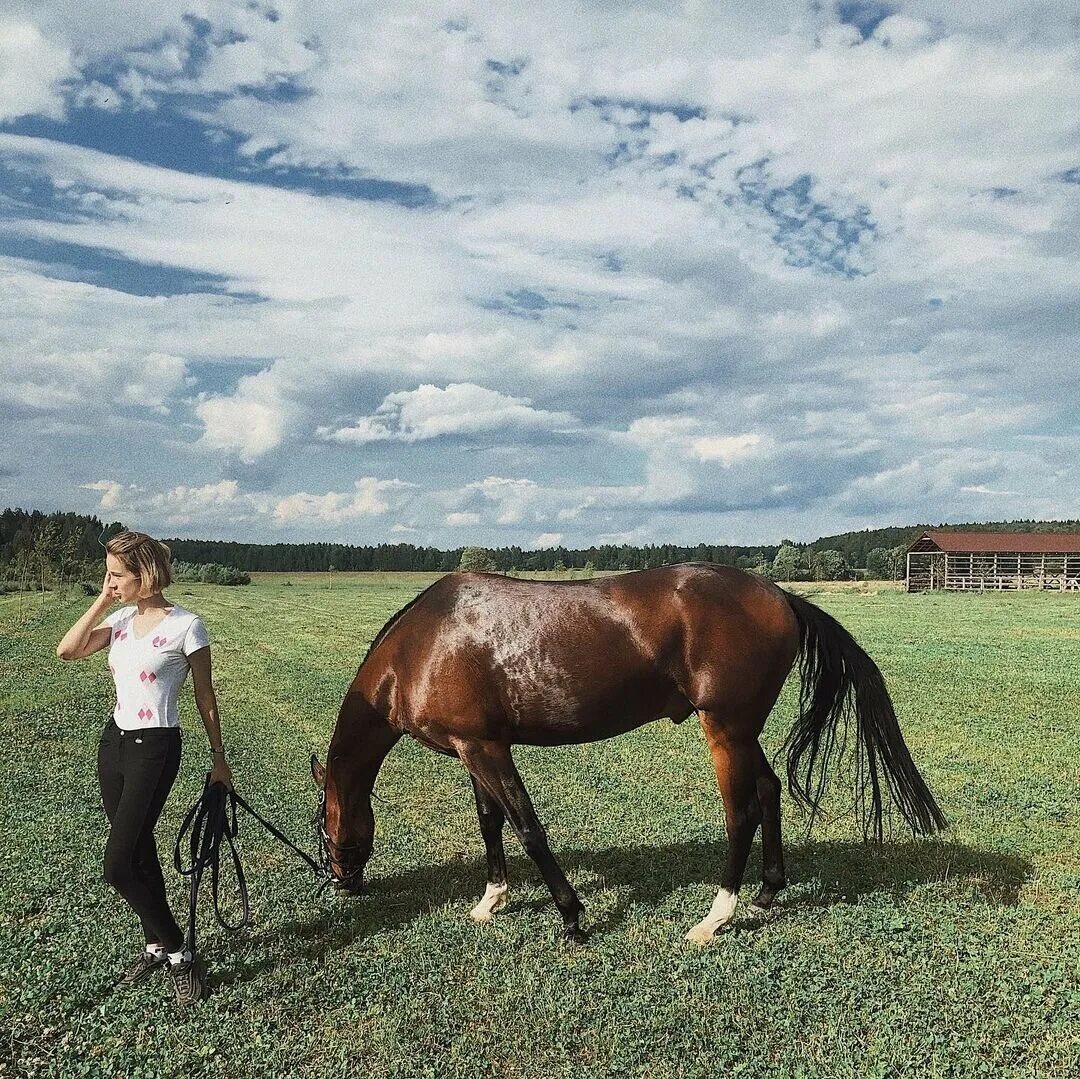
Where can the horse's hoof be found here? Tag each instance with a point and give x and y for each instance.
(574, 934)
(699, 935)
(495, 899)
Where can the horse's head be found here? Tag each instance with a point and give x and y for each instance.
(344, 823)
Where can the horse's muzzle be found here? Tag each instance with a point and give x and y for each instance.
(350, 885)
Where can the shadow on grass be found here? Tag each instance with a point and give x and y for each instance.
(827, 873)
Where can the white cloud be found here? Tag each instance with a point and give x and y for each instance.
(89, 382)
(548, 539)
(455, 520)
(156, 380)
(462, 408)
(947, 484)
(767, 262)
(111, 492)
(515, 498)
(982, 489)
(181, 504)
(224, 502)
(250, 423)
(32, 71)
(372, 497)
(183, 497)
(725, 449)
(680, 452)
(901, 31)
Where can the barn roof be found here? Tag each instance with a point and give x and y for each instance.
(1000, 542)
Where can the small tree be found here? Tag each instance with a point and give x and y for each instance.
(878, 567)
(476, 558)
(830, 566)
(47, 552)
(786, 564)
(897, 563)
(69, 558)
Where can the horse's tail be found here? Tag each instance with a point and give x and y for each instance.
(841, 684)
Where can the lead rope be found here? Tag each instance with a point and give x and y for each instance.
(210, 820)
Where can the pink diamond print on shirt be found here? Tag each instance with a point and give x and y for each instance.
(157, 642)
(119, 635)
(145, 713)
(147, 676)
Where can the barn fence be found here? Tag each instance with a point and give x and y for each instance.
(958, 571)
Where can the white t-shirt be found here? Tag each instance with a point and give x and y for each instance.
(149, 671)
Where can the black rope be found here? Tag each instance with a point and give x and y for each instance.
(210, 820)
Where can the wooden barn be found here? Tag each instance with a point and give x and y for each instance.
(994, 560)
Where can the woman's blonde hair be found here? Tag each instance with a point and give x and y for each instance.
(142, 554)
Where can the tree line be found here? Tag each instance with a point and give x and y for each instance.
(48, 550)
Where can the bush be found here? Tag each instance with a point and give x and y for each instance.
(830, 565)
(476, 558)
(786, 566)
(209, 573)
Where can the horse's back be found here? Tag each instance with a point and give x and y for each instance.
(570, 661)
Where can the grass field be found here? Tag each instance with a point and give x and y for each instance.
(954, 957)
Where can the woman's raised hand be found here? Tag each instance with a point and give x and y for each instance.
(106, 591)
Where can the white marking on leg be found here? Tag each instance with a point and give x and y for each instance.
(721, 912)
(496, 896)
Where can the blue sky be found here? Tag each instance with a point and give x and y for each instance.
(642, 273)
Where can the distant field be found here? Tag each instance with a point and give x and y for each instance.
(954, 957)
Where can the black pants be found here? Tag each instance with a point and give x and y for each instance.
(136, 770)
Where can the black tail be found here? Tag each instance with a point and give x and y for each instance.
(841, 683)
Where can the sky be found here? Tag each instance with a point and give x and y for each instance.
(567, 273)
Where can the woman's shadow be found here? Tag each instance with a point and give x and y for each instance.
(836, 872)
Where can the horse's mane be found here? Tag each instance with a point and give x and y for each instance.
(393, 619)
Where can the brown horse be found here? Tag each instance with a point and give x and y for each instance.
(479, 662)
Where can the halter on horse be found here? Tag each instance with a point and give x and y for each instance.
(479, 662)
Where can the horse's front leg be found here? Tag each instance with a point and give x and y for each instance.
(491, 765)
(492, 820)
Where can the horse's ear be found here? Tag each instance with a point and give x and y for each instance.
(318, 772)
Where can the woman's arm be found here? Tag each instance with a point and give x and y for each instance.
(206, 702)
(81, 640)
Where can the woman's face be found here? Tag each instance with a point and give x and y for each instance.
(124, 584)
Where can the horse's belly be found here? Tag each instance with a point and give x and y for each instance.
(593, 721)
(556, 734)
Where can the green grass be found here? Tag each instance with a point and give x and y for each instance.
(952, 957)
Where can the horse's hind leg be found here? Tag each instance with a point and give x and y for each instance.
(492, 766)
(492, 819)
(772, 851)
(735, 759)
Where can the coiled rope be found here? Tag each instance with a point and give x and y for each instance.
(210, 820)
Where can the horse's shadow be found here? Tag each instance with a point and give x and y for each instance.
(822, 874)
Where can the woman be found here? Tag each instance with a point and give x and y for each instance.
(151, 643)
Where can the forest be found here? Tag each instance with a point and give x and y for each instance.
(38, 549)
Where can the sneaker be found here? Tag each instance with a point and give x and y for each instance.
(143, 967)
(188, 981)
